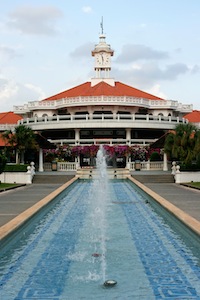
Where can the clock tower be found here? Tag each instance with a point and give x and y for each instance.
(102, 54)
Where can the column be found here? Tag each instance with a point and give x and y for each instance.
(128, 136)
(77, 136)
(165, 167)
(41, 168)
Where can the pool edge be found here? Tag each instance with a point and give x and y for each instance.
(10, 227)
(185, 218)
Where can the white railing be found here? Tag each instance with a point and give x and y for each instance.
(66, 166)
(147, 165)
(61, 166)
(89, 100)
(72, 166)
(102, 118)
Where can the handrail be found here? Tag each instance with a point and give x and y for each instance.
(102, 117)
(87, 100)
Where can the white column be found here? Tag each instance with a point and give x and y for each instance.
(128, 136)
(77, 162)
(41, 168)
(77, 136)
(165, 167)
(17, 157)
(128, 162)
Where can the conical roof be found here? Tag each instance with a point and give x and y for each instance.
(103, 89)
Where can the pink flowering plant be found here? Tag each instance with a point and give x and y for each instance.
(116, 150)
(88, 151)
(61, 153)
(138, 153)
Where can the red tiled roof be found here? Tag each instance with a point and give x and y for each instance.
(103, 89)
(193, 117)
(9, 118)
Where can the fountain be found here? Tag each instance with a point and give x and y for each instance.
(100, 192)
(98, 230)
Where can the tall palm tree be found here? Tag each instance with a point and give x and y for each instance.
(181, 143)
(21, 139)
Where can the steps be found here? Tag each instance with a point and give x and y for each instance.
(113, 173)
(161, 178)
(91, 173)
(52, 179)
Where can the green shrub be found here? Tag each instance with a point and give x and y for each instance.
(155, 156)
(189, 167)
(16, 168)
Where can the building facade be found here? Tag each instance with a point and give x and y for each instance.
(102, 111)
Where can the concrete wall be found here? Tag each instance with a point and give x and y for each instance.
(16, 177)
(181, 177)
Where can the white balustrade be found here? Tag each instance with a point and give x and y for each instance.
(66, 166)
(148, 165)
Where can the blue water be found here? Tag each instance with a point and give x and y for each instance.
(143, 253)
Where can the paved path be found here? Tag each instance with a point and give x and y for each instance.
(13, 202)
(187, 199)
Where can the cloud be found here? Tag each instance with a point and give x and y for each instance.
(131, 53)
(195, 69)
(87, 9)
(6, 53)
(156, 90)
(174, 70)
(14, 93)
(82, 51)
(147, 74)
(34, 20)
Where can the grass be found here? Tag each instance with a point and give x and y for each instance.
(195, 185)
(7, 186)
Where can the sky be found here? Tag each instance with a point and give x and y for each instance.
(45, 47)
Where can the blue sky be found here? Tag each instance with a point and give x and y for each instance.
(45, 47)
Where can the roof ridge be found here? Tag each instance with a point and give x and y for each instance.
(68, 90)
(4, 114)
(129, 86)
(103, 88)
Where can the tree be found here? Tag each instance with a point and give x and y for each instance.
(2, 162)
(182, 143)
(21, 139)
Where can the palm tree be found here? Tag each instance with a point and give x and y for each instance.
(21, 139)
(182, 143)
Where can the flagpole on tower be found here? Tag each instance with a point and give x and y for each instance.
(101, 24)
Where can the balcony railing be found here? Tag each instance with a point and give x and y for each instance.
(102, 117)
(93, 100)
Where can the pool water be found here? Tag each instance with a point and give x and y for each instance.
(68, 255)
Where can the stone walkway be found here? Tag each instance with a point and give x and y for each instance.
(187, 199)
(13, 202)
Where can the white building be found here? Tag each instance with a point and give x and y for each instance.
(102, 110)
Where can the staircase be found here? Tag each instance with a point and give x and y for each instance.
(51, 179)
(113, 173)
(158, 178)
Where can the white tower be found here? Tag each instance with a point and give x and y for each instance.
(102, 54)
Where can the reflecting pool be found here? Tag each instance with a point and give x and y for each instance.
(84, 240)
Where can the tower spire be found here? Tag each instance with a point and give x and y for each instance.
(101, 24)
(102, 54)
